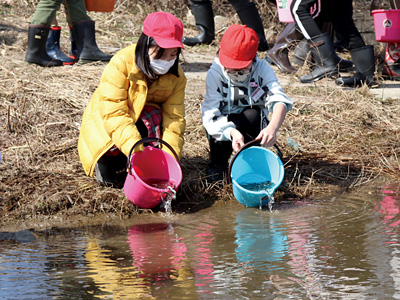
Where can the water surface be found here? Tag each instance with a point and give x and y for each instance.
(343, 247)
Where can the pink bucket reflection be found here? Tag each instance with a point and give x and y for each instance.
(156, 249)
(389, 208)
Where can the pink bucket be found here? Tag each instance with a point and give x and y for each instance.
(150, 174)
(387, 25)
(284, 14)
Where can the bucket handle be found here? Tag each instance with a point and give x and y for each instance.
(245, 146)
(148, 140)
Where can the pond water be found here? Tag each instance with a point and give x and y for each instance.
(344, 247)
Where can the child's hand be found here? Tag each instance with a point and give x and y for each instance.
(267, 137)
(237, 140)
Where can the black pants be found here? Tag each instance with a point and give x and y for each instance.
(111, 170)
(248, 122)
(339, 12)
(237, 4)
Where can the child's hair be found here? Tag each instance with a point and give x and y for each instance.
(142, 58)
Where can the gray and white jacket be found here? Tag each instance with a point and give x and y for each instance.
(224, 96)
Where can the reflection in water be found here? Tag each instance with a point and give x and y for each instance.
(337, 248)
(45, 269)
(260, 239)
(202, 256)
(155, 250)
(157, 256)
(389, 210)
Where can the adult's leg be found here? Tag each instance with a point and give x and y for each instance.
(45, 12)
(320, 43)
(84, 33)
(53, 48)
(301, 12)
(279, 52)
(204, 17)
(303, 50)
(343, 23)
(249, 15)
(76, 11)
(362, 55)
(391, 68)
(38, 32)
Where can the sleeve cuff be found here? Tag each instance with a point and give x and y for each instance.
(227, 133)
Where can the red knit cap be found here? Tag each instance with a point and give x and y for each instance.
(238, 47)
(165, 28)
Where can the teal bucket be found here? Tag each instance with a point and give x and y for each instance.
(256, 172)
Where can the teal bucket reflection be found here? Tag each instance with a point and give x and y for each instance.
(261, 240)
(256, 172)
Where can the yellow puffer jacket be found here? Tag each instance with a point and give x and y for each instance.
(111, 115)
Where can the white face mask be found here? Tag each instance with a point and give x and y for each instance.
(239, 76)
(161, 66)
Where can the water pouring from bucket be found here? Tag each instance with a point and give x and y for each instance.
(256, 172)
(152, 174)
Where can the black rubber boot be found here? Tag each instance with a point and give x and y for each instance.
(53, 47)
(87, 49)
(249, 16)
(364, 61)
(204, 16)
(36, 53)
(73, 51)
(302, 51)
(344, 64)
(325, 59)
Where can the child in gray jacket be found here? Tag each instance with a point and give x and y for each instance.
(241, 90)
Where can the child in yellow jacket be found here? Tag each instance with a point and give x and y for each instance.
(141, 94)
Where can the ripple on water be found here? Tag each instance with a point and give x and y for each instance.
(331, 248)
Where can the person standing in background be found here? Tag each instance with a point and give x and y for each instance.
(83, 32)
(53, 47)
(391, 67)
(204, 16)
(341, 14)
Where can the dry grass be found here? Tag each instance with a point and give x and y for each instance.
(345, 137)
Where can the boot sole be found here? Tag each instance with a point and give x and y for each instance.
(88, 61)
(49, 65)
(327, 75)
(274, 62)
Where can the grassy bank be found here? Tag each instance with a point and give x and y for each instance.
(346, 137)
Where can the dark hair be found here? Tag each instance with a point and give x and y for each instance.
(142, 58)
